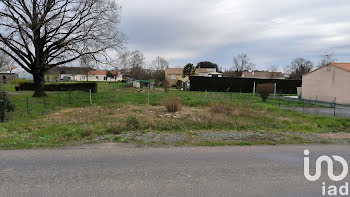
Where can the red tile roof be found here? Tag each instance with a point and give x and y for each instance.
(343, 66)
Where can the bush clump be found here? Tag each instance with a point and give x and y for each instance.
(132, 122)
(221, 108)
(172, 104)
(5, 105)
(265, 90)
(86, 87)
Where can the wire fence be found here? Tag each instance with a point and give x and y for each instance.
(115, 94)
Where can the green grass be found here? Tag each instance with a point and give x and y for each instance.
(122, 115)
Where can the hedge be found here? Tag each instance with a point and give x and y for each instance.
(86, 87)
(245, 85)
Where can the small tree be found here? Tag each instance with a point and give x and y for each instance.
(166, 85)
(158, 76)
(299, 67)
(189, 70)
(242, 63)
(160, 63)
(265, 90)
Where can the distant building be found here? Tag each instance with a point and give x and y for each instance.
(176, 74)
(93, 75)
(263, 75)
(329, 83)
(7, 77)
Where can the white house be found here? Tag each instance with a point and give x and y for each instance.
(95, 75)
(329, 83)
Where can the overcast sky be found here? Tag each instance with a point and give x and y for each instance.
(271, 32)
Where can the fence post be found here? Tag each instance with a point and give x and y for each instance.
(148, 97)
(303, 105)
(59, 100)
(44, 104)
(275, 90)
(90, 98)
(2, 111)
(205, 97)
(254, 88)
(335, 106)
(69, 97)
(279, 101)
(27, 105)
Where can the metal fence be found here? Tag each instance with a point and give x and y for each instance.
(110, 95)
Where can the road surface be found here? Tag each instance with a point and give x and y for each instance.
(124, 170)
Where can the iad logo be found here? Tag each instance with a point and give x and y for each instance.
(330, 190)
(329, 162)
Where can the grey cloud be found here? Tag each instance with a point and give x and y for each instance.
(180, 30)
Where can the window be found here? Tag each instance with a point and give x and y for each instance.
(172, 76)
(105, 78)
(96, 77)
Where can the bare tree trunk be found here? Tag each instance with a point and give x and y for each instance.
(39, 84)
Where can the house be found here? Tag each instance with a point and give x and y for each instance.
(176, 74)
(329, 83)
(92, 75)
(263, 75)
(7, 77)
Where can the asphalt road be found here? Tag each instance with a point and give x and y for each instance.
(122, 170)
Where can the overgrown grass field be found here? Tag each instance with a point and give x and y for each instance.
(129, 115)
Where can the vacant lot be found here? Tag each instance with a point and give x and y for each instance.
(128, 115)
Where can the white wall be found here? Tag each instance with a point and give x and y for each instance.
(91, 77)
(326, 84)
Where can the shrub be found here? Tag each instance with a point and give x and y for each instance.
(217, 108)
(166, 85)
(172, 104)
(265, 90)
(86, 87)
(86, 131)
(222, 108)
(5, 105)
(132, 122)
(17, 81)
(115, 129)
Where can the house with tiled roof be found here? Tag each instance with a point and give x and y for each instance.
(93, 75)
(329, 83)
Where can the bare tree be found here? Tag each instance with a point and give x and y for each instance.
(87, 64)
(137, 59)
(123, 61)
(160, 63)
(326, 59)
(41, 34)
(136, 62)
(5, 63)
(242, 63)
(273, 69)
(299, 67)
